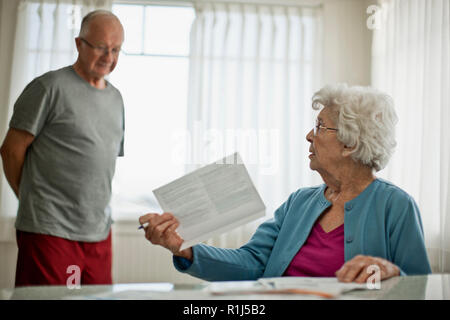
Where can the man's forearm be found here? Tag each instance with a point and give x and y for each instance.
(12, 166)
(13, 152)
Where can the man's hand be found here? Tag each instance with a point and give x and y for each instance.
(355, 270)
(13, 153)
(161, 230)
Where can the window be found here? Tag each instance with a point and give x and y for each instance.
(152, 75)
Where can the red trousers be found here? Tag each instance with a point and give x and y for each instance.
(50, 260)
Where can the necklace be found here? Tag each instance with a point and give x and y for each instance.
(331, 195)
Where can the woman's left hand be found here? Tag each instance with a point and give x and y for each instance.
(356, 269)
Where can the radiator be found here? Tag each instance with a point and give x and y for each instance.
(135, 259)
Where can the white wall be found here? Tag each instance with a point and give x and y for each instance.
(7, 27)
(347, 42)
(8, 248)
(346, 59)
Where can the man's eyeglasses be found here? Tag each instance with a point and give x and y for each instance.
(101, 50)
(318, 128)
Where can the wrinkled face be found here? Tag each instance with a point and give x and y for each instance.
(99, 48)
(326, 150)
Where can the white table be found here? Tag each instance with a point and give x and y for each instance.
(431, 287)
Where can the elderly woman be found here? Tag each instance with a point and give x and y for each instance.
(340, 228)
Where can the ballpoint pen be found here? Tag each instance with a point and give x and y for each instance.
(142, 226)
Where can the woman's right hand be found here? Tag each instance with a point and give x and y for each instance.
(161, 230)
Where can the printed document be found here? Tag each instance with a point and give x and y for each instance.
(314, 287)
(211, 200)
(327, 285)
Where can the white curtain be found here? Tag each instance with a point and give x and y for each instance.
(411, 61)
(253, 70)
(44, 41)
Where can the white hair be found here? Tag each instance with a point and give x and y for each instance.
(90, 16)
(365, 119)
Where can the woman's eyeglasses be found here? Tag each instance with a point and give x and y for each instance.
(318, 128)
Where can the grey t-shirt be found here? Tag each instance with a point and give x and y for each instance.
(65, 186)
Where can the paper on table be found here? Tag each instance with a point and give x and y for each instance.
(211, 200)
(236, 288)
(326, 285)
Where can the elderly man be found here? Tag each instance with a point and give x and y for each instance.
(59, 158)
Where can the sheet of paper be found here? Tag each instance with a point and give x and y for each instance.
(326, 285)
(255, 288)
(211, 200)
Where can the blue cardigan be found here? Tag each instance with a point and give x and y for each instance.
(382, 221)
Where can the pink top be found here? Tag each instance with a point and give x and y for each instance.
(321, 255)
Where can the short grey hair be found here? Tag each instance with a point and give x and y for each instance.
(90, 16)
(365, 119)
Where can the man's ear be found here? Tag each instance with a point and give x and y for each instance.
(78, 43)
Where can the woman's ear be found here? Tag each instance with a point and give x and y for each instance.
(347, 151)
